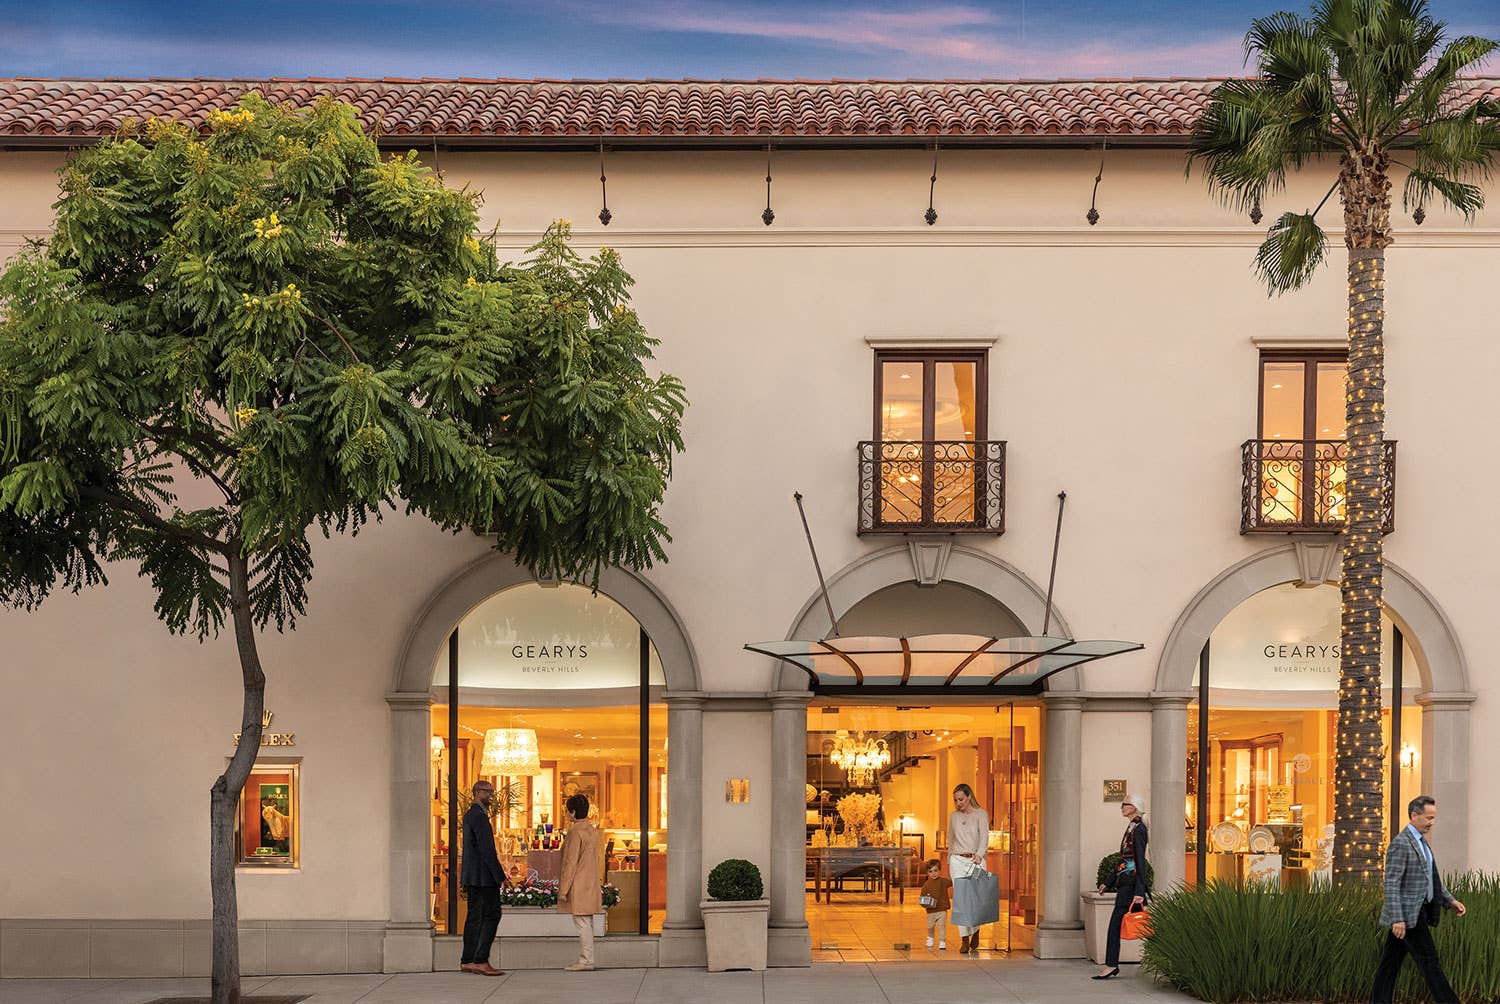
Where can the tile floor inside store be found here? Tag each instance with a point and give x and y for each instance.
(863, 928)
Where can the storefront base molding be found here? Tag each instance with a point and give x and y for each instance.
(1059, 943)
(618, 951)
(1097, 908)
(788, 947)
(94, 949)
(682, 948)
(408, 948)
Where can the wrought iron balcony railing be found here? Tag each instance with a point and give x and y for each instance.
(1298, 486)
(953, 486)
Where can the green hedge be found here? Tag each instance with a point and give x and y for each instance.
(735, 879)
(1229, 943)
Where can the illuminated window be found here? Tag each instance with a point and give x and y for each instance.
(269, 822)
(930, 409)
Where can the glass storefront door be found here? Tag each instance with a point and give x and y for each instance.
(879, 794)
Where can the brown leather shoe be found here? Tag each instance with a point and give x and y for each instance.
(485, 969)
(469, 967)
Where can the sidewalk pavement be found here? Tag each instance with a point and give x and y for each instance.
(1004, 981)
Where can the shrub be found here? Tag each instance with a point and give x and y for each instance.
(734, 880)
(1110, 862)
(1228, 943)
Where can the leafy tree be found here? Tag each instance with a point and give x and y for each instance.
(1372, 86)
(273, 322)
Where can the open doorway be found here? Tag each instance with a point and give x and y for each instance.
(879, 784)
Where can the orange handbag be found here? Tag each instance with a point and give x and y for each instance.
(1135, 925)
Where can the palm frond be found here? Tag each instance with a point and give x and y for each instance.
(1425, 101)
(1250, 136)
(1293, 249)
(1422, 186)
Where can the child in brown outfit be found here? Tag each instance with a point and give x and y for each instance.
(934, 900)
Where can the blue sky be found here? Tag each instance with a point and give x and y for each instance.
(643, 38)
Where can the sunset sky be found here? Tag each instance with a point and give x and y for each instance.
(817, 39)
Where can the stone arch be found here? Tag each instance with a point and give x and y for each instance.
(494, 571)
(1445, 696)
(1440, 657)
(901, 563)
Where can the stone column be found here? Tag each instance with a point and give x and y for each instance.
(682, 932)
(407, 946)
(1168, 796)
(1059, 935)
(1445, 773)
(790, 944)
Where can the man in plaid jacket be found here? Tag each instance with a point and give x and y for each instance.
(1414, 902)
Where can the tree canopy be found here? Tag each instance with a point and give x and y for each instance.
(233, 337)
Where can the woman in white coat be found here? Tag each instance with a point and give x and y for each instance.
(968, 840)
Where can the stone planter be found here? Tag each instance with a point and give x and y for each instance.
(736, 933)
(541, 922)
(1096, 910)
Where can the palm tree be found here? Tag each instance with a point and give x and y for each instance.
(1373, 84)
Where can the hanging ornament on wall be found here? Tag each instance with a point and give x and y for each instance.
(1419, 215)
(1093, 213)
(604, 214)
(769, 216)
(1255, 214)
(931, 215)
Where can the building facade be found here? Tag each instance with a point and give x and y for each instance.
(929, 388)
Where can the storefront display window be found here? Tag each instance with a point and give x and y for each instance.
(549, 692)
(1260, 780)
(268, 824)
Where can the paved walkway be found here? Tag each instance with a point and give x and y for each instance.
(1010, 981)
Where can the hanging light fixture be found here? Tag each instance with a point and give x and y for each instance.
(859, 757)
(510, 753)
(437, 748)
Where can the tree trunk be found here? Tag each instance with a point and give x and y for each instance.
(224, 797)
(1359, 769)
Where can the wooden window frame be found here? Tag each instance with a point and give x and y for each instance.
(1310, 358)
(929, 360)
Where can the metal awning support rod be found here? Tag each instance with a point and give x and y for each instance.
(1062, 500)
(833, 622)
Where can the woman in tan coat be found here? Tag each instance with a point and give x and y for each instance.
(579, 891)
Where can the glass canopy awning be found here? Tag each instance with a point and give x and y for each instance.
(946, 663)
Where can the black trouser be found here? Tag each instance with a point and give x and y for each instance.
(1418, 942)
(1123, 898)
(481, 922)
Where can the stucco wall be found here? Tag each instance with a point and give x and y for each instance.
(1123, 373)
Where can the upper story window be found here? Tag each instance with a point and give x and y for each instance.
(1296, 467)
(929, 465)
(1302, 395)
(929, 397)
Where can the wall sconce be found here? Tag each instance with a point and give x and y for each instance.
(437, 748)
(1408, 756)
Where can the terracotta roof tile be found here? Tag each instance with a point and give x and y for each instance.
(652, 108)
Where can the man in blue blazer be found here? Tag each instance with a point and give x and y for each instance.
(482, 878)
(1414, 900)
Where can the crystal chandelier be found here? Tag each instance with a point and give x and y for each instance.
(859, 757)
(510, 753)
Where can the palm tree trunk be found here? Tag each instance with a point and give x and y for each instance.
(224, 796)
(1359, 769)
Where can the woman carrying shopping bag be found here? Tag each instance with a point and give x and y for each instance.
(976, 892)
(1129, 882)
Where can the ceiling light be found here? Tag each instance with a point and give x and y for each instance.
(1276, 386)
(510, 753)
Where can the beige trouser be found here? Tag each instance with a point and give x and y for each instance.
(938, 922)
(585, 927)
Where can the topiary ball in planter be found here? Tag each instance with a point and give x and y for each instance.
(1110, 862)
(735, 880)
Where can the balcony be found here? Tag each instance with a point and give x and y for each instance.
(1297, 486)
(932, 487)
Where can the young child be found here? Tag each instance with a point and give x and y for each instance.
(934, 900)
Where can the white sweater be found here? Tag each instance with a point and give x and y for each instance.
(969, 832)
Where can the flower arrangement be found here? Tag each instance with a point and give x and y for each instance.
(858, 812)
(543, 893)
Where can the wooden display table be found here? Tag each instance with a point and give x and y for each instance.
(829, 864)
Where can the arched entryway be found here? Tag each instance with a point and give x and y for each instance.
(981, 585)
(497, 596)
(1437, 660)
